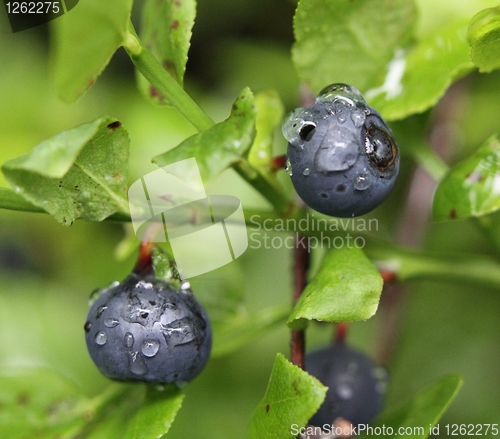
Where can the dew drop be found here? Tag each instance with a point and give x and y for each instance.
(128, 340)
(358, 117)
(361, 181)
(352, 368)
(379, 373)
(100, 310)
(94, 295)
(137, 364)
(306, 172)
(111, 323)
(340, 93)
(381, 387)
(87, 326)
(150, 347)
(338, 151)
(101, 338)
(344, 391)
(288, 167)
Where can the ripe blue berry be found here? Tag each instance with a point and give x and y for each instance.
(144, 330)
(341, 156)
(356, 387)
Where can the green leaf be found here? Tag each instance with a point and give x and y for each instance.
(472, 187)
(156, 415)
(238, 330)
(462, 268)
(39, 403)
(417, 77)
(166, 32)
(292, 397)
(346, 288)
(11, 200)
(84, 42)
(221, 145)
(424, 411)
(349, 41)
(270, 113)
(79, 173)
(483, 36)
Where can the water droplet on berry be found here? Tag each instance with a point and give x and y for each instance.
(137, 364)
(381, 387)
(344, 391)
(111, 323)
(338, 151)
(150, 347)
(94, 295)
(297, 125)
(100, 310)
(128, 340)
(101, 338)
(306, 172)
(358, 117)
(179, 332)
(87, 326)
(352, 368)
(361, 181)
(288, 167)
(340, 93)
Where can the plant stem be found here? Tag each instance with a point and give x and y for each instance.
(159, 78)
(277, 199)
(301, 259)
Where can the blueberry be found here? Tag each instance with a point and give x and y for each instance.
(342, 157)
(356, 387)
(143, 329)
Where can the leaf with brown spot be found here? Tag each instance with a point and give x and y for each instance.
(292, 397)
(166, 32)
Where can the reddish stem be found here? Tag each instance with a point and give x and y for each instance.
(341, 332)
(144, 264)
(278, 163)
(300, 265)
(388, 276)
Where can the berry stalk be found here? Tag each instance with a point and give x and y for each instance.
(301, 258)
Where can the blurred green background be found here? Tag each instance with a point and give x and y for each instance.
(47, 271)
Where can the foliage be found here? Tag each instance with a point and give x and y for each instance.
(49, 388)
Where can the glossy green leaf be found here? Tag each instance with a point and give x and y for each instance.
(84, 42)
(472, 187)
(418, 76)
(11, 200)
(39, 403)
(166, 32)
(292, 397)
(424, 411)
(221, 145)
(483, 36)
(349, 41)
(346, 288)
(462, 268)
(238, 330)
(270, 113)
(79, 173)
(157, 413)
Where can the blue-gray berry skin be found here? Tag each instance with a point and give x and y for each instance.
(342, 157)
(143, 330)
(356, 387)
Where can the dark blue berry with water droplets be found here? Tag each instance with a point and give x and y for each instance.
(356, 387)
(342, 157)
(145, 330)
